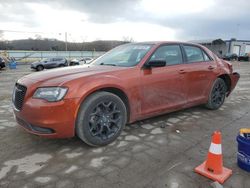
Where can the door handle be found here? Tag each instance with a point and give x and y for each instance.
(182, 71)
(210, 67)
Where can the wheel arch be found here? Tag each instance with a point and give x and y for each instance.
(227, 80)
(41, 65)
(114, 90)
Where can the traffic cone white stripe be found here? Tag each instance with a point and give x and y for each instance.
(215, 149)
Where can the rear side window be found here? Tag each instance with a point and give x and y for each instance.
(194, 54)
(57, 59)
(170, 53)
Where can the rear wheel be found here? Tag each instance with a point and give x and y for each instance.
(39, 68)
(101, 119)
(217, 94)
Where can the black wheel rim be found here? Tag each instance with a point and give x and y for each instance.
(105, 120)
(218, 94)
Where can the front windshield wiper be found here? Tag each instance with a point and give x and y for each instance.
(110, 64)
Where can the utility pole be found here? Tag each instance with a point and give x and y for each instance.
(66, 42)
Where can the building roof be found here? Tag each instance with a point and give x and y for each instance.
(237, 40)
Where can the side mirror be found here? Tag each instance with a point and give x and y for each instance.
(155, 63)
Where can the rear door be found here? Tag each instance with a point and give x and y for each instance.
(55, 62)
(49, 63)
(46, 63)
(162, 87)
(199, 71)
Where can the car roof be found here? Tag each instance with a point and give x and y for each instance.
(166, 42)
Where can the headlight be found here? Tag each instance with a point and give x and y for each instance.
(50, 94)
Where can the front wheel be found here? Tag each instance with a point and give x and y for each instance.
(39, 68)
(101, 119)
(217, 94)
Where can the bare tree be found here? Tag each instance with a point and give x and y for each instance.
(38, 37)
(127, 39)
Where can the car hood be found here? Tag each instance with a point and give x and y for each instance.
(61, 75)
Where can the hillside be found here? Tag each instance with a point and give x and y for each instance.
(56, 45)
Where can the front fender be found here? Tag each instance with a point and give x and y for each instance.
(87, 86)
(81, 88)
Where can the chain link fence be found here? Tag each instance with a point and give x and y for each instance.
(29, 56)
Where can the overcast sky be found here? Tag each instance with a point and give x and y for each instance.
(142, 20)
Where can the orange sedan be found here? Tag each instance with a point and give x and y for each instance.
(129, 83)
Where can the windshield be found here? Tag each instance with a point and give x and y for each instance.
(127, 55)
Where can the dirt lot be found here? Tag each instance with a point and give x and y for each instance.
(158, 152)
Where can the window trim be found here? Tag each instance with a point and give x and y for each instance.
(166, 44)
(202, 50)
(210, 59)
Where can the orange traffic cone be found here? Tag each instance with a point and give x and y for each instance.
(213, 167)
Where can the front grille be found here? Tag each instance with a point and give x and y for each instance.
(18, 96)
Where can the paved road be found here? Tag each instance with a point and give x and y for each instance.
(158, 152)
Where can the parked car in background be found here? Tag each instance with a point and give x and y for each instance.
(81, 61)
(49, 63)
(129, 83)
(244, 57)
(2, 63)
(230, 57)
(73, 62)
(86, 60)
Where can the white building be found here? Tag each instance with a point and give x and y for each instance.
(222, 47)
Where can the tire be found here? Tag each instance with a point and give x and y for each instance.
(217, 94)
(39, 68)
(101, 119)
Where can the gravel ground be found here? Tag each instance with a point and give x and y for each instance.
(157, 152)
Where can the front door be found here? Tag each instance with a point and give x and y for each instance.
(162, 87)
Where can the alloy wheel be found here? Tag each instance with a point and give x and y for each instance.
(219, 93)
(105, 120)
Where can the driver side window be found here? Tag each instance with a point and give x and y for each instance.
(169, 53)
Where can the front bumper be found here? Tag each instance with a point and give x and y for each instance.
(48, 119)
(234, 80)
(32, 66)
(2, 65)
